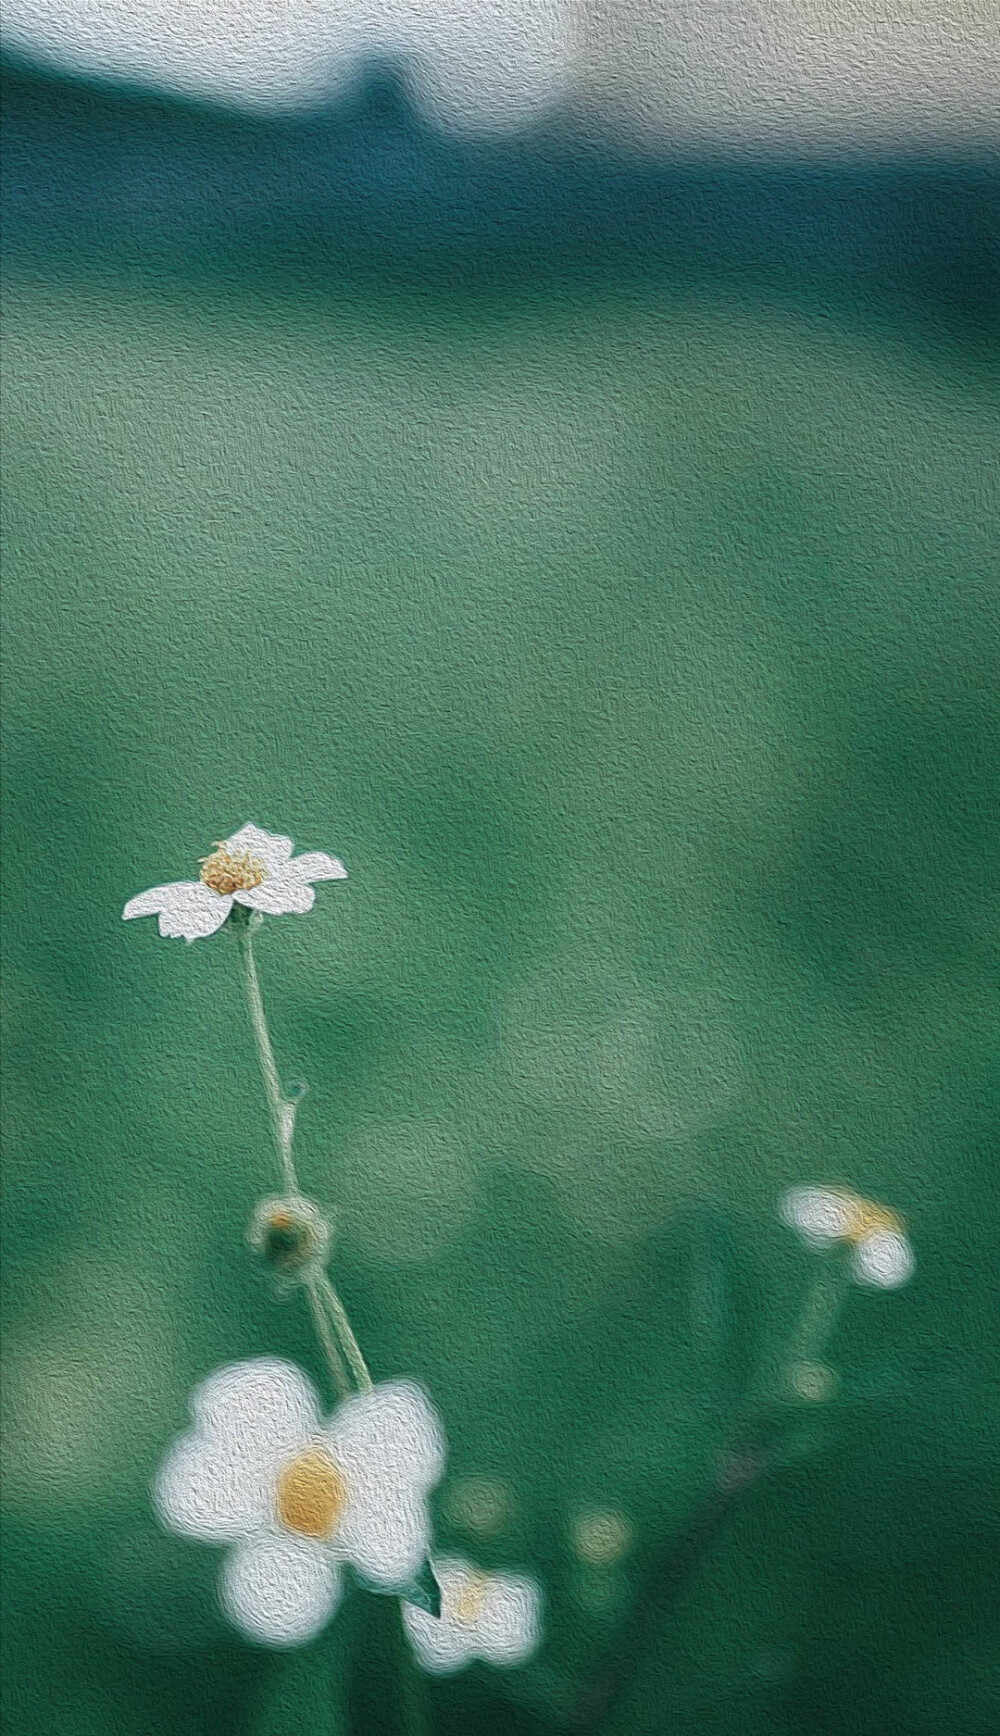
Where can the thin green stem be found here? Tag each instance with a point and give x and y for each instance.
(328, 1312)
(335, 1362)
(282, 1112)
(342, 1326)
(756, 1451)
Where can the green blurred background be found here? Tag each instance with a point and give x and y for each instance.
(636, 645)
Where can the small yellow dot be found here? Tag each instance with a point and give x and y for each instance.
(867, 1218)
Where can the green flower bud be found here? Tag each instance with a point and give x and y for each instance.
(292, 1235)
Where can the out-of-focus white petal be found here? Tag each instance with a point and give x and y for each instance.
(217, 1481)
(268, 848)
(442, 1646)
(390, 1446)
(280, 1590)
(266, 1404)
(187, 909)
(386, 1538)
(315, 865)
(279, 895)
(820, 1214)
(509, 1628)
(390, 1435)
(207, 1489)
(884, 1260)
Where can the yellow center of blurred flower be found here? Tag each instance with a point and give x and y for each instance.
(311, 1493)
(868, 1219)
(227, 873)
(465, 1604)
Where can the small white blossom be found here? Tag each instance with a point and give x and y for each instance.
(252, 868)
(881, 1254)
(297, 1495)
(884, 1259)
(492, 1616)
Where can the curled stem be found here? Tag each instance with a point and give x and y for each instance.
(666, 1578)
(756, 1451)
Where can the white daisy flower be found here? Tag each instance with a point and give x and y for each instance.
(881, 1253)
(297, 1496)
(492, 1616)
(252, 868)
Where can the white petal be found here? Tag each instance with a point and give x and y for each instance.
(504, 1630)
(152, 902)
(205, 1489)
(884, 1260)
(187, 909)
(509, 1627)
(280, 1590)
(819, 1214)
(280, 895)
(392, 1434)
(314, 865)
(217, 1482)
(385, 1538)
(252, 841)
(266, 1404)
(441, 1646)
(391, 1449)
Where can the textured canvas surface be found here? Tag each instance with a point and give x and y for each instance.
(601, 561)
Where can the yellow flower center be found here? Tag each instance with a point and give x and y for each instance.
(228, 873)
(311, 1493)
(868, 1219)
(465, 1605)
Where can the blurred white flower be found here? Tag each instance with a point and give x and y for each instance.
(492, 1616)
(252, 868)
(881, 1253)
(297, 1495)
